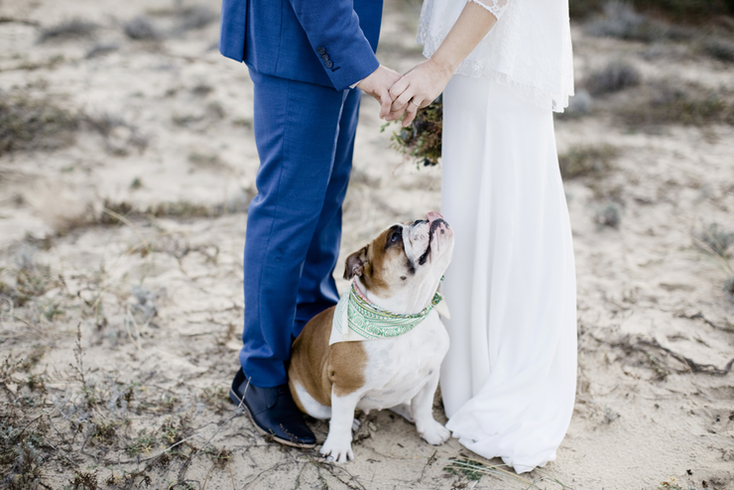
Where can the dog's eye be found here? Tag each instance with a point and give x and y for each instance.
(395, 236)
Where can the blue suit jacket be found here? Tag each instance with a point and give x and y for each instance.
(327, 42)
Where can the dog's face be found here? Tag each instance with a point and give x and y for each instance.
(402, 266)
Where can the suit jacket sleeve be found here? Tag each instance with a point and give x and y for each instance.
(333, 30)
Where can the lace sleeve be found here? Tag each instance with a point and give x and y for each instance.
(495, 7)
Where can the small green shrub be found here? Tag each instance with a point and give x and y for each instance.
(143, 444)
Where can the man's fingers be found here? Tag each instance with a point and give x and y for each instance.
(395, 115)
(385, 103)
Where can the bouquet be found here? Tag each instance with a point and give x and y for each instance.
(421, 141)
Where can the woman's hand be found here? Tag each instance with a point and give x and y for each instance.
(418, 88)
(421, 85)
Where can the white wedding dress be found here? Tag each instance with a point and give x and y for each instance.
(509, 379)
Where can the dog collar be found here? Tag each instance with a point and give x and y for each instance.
(357, 318)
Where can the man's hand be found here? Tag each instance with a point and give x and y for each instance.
(377, 84)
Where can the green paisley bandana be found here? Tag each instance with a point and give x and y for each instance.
(356, 318)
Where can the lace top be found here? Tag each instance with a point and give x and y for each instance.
(528, 49)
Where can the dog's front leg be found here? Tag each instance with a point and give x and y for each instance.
(338, 444)
(422, 404)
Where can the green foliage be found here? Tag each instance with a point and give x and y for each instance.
(470, 468)
(421, 141)
(143, 444)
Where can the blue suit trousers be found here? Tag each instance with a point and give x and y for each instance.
(305, 140)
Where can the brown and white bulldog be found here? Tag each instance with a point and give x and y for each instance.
(399, 272)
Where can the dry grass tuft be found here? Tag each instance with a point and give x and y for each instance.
(583, 161)
(687, 10)
(620, 20)
(35, 124)
(729, 288)
(581, 104)
(608, 216)
(28, 124)
(714, 239)
(196, 17)
(119, 135)
(719, 48)
(101, 49)
(692, 11)
(142, 28)
(616, 76)
(70, 29)
(685, 105)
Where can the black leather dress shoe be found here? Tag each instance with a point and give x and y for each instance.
(273, 412)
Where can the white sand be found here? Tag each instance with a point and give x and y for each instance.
(642, 417)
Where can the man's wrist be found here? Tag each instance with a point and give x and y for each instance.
(365, 78)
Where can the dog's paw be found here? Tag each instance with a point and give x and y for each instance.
(435, 433)
(356, 424)
(336, 451)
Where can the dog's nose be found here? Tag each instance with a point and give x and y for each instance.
(433, 216)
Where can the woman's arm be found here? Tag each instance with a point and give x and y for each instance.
(421, 85)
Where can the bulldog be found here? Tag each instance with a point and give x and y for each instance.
(382, 345)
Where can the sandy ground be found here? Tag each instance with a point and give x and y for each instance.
(133, 238)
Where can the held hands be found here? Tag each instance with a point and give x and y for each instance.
(405, 94)
(377, 84)
(417, 88)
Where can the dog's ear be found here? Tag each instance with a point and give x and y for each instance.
(354, 265)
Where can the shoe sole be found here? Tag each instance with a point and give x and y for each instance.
(268, 435)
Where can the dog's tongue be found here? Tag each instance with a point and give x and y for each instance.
(433, 216)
